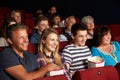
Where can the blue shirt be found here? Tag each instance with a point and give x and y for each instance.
(109, 59)
(8, 58)
(34, 38)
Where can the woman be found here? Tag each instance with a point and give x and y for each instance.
(48, 49)
(89, 22)
(104, 47)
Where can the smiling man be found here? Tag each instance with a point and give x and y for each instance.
(15, 62)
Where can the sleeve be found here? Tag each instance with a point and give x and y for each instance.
(94, 51)
(62, 38)
(32, 39)
(8, 59)
(117, 44)
(67, 56)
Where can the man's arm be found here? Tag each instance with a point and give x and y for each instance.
(19, 72)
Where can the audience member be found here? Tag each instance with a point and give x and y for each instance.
(76, 53)
(41, 23)
(67, 32)
(89, 22)
(48, 50)
(52, 10)
(55, 20)
(6, 23)
(15, 62)
(16, 14)
(104, 47)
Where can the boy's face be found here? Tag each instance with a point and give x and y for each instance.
(80, 38)
(43, 25)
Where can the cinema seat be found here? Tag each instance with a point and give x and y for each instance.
(100, 73)
(118, 68)
(32, 48)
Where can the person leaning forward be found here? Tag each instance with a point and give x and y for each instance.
(16, 63)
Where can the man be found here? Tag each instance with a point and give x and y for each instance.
(66, 36)
(15, 62)
(41, 23)
(76, 53)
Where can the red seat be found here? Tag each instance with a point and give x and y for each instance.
(30, 23)
(1, 48)
(100, 73)
(58, 77)
(118, 68)
(115, 29)
(59, 30)
(63, 44)
(32, 48)
(28, 15)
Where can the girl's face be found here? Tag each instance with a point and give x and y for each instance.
(51, 42)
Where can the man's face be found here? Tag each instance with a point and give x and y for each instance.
(19, 41)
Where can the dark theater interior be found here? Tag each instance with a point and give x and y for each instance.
(101, 15)
(104, 11)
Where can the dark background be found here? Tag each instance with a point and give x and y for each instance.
(103, 11)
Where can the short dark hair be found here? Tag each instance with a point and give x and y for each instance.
(76, 27)
(99, 33)
(14, 27)
(40, 18)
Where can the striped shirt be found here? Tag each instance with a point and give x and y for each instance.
(76, 57)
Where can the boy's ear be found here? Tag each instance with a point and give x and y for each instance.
(9, 41)
(72, 36)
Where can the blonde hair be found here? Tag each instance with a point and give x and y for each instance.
(41, 47)
(13, 13)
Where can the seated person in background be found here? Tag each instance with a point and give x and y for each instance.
(52, 10)
(42, 23)
(66, 36)
(76, 53)
(16, 14)
(15, 62)
(3, 42)
(48, 50)
(6, 23)
(104, 47)
(89, 22)
(55, 20)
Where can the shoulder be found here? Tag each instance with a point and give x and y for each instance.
(115, 42)
(34, 34)
(70, 46)
(7, 50)
(93, 48)
(29, 54)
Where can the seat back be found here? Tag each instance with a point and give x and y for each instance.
(118, 68)
(100, 73)
(57, 77)
(32, 48)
